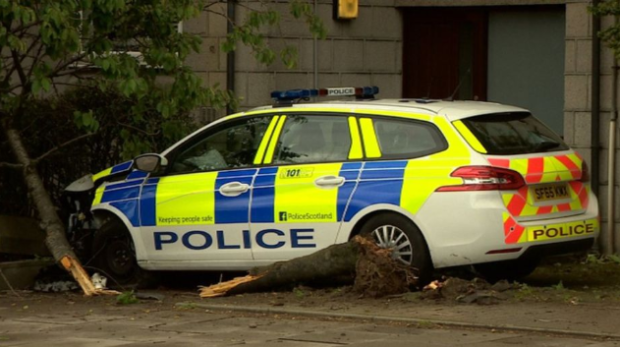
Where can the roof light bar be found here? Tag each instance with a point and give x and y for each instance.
(294, 94)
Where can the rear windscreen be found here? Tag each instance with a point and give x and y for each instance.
(514, 133)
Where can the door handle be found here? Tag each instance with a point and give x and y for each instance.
(234, 189)
(329, 181)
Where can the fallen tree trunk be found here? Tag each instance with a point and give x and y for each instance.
(360, 261)
(50, 222)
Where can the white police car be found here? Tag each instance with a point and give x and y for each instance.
(441, 183)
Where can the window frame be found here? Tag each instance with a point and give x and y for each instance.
(383, 157)
(201, 136)
(345, 116)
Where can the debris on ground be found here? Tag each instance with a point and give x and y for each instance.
(55, 287)
(150, 296)
(459, 290)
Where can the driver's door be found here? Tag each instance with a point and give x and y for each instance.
(196, 215)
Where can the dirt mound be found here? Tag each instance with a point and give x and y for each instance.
(377, 274)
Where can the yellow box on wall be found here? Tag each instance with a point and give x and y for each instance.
(345, 9)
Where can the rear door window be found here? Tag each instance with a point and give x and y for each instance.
(514, 133)
(313, 139)
(399, 139)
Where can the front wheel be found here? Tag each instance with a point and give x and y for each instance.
(404, 239)
(115, 256)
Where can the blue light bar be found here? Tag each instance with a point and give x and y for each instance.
(294, 94)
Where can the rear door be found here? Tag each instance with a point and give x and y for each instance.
(300, 194)
(555, 175)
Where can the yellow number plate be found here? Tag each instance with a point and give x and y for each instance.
(546, 192)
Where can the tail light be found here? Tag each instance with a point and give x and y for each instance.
(585, 173)
(485, 178)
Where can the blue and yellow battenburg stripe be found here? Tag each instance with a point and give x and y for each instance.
(288, 194)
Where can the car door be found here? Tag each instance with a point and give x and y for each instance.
(301, 193)
(196, 215)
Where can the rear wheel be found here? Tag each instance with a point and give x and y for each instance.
(115, 255)
(405, 239)
(510, 270)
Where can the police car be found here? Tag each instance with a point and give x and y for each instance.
(440, 183)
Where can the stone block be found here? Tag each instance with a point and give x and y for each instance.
(223, 56)
(607, 60)
(576, 92)
(244, 59)
(603, 134)
(293, 80)
(387, 22)
(582, 129)
(260, 86)
(570, 60)
(602, 200)
(577, 20)
(241, 88)
(198, 25)
(218, 78)
(569, 128)
(21, 236)
(216, 20)
(21, 274)
(606, 91)
(399, 57)
(334, 28)
(325, 55)
(328, 80)
(377, 3)
(278, 45)
(584, 56)
(380, 56)
(355, 80)
(361, 27)
(390, 85)
(348, 55)
(207, 59)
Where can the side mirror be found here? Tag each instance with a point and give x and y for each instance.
(149, 162)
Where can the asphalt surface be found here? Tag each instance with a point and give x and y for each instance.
(71, 320)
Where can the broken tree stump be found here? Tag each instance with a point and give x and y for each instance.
(360, 261)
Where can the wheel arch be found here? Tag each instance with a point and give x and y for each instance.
(365, 215)
(104, 212)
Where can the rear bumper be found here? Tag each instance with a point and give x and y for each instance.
(470, 228)
(541, 251)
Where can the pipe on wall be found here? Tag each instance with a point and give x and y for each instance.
(230, 56)
(611, 168)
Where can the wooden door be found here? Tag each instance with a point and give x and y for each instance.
(445, 47)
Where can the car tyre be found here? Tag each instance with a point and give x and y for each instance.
(398, 232)
(510, 270)
(115, 256)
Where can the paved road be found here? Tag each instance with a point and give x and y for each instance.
(50, 323)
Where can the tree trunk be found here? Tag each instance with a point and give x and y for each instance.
(360, 261)
(50, 222)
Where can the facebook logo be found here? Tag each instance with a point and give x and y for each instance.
(282, 216)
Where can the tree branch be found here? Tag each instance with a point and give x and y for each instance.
(59, 147)
(19, 67)
(11, 165)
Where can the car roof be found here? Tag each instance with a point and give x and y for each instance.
(452, 110)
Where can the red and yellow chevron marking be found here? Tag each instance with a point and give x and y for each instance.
(566, 168)
(513, 232)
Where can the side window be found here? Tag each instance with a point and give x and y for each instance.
(229, 147)
(407, 139)
(311, 139)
